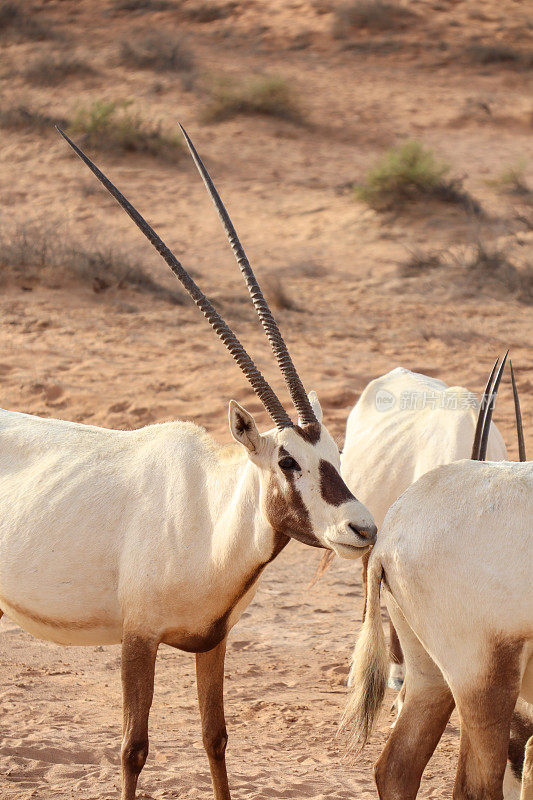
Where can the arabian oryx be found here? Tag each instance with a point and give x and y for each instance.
(455, 559)
(160, 535)
(403, 425)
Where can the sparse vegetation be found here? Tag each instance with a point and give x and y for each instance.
(29, 253)
(52, 69)
(512, 180)
(483, 267)
(159, 51)
(112, 126)
(22, 117)
(502, 54)
(411, 172)
(208, 11)
(141, 6)
(372, 15)
(18, 21)
(278, 296)
(264, 95)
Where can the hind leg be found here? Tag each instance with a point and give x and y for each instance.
(527, 772)
(486, 705)
(423, 717)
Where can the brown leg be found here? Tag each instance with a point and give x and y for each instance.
(210, 682)
(485, 710)
(527, 773)
(417, 731)
(138, 667)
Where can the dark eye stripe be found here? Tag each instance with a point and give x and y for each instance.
(332, 487)
(288, 463)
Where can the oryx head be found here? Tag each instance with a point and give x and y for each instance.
(302, 493)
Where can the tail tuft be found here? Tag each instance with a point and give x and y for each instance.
(369, 671)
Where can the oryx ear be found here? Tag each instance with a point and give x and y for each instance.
(315, 405)
(243, 427)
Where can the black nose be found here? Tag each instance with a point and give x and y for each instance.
(365, 532)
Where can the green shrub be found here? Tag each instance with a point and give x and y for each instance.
(411, 172)
(264, 95)
(109, 125)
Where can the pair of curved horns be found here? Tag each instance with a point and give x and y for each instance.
(252, 373)
(481, 438)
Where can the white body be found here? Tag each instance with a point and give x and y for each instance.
(403, 425)
(455, 557)
(158, 529)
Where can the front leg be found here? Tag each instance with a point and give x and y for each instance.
(210, 683)
(137, 669)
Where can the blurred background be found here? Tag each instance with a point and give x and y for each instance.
(377, 161)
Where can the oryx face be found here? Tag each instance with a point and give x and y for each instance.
(303, 495)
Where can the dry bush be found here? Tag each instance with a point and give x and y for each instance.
(18, 21)
(141, 6)
(420, 262)
(373, 15)
(32, 253)
(264, 95)
(159, 51)
(23, 118)
(411, 172)
(52, 69)
(277, 294)
(108, 125)
(483, 268)
(502, 54)
(512, 180)
(207, 11)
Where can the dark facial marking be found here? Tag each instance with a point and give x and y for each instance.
(287, 513)
(309, 433)
(332, 487)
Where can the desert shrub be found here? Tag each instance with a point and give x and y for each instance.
(484, 54)
(411, 172)
(264, 95)
(207, 11)
(512, 180)
(141, 6)
(23, 118)
(419, 262)
(18, 21)
(482, 268)
(52, 69)
(277, 294)
(109, 125)
(32, 253)
(373, 15)
(158, 51)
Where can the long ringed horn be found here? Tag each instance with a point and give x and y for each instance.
(490, 408)
(481, 415)
(292, 379)
(518, 415)
(254, 376)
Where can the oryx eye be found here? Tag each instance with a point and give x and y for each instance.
(287, 463)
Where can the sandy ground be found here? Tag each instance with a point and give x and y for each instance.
(124, 359)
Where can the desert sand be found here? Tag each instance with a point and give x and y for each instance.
(124, 358)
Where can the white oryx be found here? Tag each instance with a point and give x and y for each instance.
(159, 535)
(403, 425)
(455, 558)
